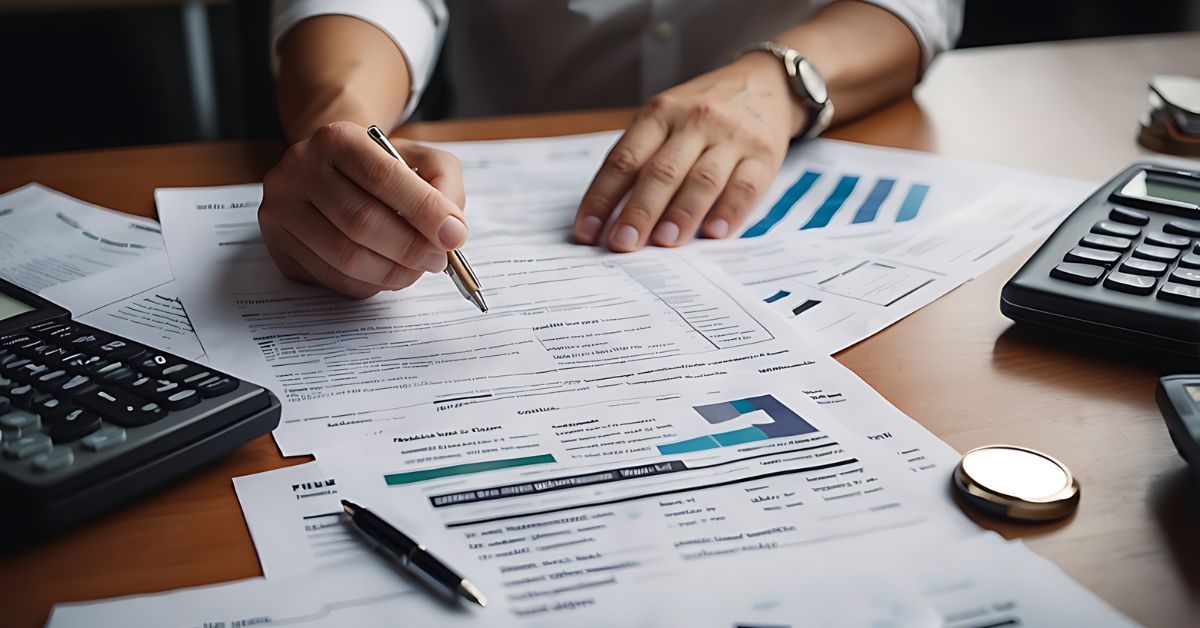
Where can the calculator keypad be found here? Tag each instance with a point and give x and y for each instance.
(1118, 256)
(68, 391)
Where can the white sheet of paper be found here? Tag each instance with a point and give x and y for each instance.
(975, 582)
(47, 237)
(139, 301)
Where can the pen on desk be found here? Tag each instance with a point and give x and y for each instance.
(410, 554)
(456, 263)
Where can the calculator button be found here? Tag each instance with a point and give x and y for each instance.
(1108, 243)
(24, 396)
(216, 386)
(1156, 253)
(154, 365)
(185, 398)
(85, 339)
(1143, 267)
(53, 460)
(74, 425)
(1120, 230)
(77, 385)
(1085, 274)
(53, 409)
(19, 422)
(1183, 275)
(181, 372)
(120, 407)
(44, 327)
(15, 340)
(1084, 255)
(1159, 238)
(1133, 284)
(116, 373)
(1183, 228)
(1128, 216)
(7, 356)
(1179, 293)
(1189, 260)
(5, 404)
(119, 349)
(107, 437)
(27, 446)
(51, 379)
(61, 332)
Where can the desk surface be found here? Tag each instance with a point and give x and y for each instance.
(954, 366)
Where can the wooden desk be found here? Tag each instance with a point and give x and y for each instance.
(954, 366)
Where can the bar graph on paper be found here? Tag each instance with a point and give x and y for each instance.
(818, 199)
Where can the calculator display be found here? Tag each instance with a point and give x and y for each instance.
(10, 307)
(1171, 191)
(1193, 391)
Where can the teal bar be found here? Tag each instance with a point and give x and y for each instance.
(743, 406)
(689, 445)
(409, 477)
(826, 211)
(912, 202)
(737, 437)
(783, 205)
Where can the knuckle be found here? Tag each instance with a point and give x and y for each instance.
(414, 251)
(744, 188)
(624, 160)
(709, 114)
(331, 134)
(664, 170)
(360, 221)
(349, 258)
(638, 214)
(704, 178)
(400, 277)
(660, 105)
(760, 145)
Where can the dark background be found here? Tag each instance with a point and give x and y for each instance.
(86, 78)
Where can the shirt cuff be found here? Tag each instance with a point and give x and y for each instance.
(935, 23)
(416, 26)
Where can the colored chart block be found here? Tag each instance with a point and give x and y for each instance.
(784, 205)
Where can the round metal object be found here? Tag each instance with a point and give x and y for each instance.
(1017, 483)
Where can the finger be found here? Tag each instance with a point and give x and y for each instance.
(617, 175)
(657, 183)
(747, 183)
(394, 183)
(441, 169)
(316, 233)
(348, 210)
(298, 262)
(695, 198)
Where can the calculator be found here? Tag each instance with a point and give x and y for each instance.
(89, 420)
(1123, 267)
(1178, 398)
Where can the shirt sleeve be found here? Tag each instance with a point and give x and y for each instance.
(417, 26)
(935, 23)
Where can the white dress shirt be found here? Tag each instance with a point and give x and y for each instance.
(514, 56)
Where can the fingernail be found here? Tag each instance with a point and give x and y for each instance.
(589, 228)
(626, 237)
(452, 233)
(433, 262)
(718, 228)
(666, 233)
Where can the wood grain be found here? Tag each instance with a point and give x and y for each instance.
(957, 366)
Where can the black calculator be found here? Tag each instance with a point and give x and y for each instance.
(1123, 267)
(89, 420)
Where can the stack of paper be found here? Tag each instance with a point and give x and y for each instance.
(623, 439)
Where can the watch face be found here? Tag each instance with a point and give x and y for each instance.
(812, 81)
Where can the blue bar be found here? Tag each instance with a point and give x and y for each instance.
(783, 205)
(912, 202)
(870, 207)
(688, 446)
(825, 212)
(777, 296)
(737, 437)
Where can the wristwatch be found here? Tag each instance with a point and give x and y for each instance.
(806, 84)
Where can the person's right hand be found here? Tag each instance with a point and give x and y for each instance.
(339, 211)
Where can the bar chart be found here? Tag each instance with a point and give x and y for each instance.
(783, 423)
(870, 199)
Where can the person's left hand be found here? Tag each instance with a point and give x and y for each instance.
(702, 151)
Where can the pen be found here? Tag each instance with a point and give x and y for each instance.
(410, 554)
(456, 263)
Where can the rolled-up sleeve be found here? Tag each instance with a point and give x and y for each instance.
(935, 23)
(417, 27)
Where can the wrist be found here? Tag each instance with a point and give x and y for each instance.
(764, 69)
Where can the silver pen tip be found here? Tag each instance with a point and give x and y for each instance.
(471, 593)
(477, 299)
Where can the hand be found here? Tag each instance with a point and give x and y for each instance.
(339, 211)
(703, 151)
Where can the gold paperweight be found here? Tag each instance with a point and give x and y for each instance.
(1016, 483)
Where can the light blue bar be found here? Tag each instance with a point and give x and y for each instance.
(912, 202)
(825, 212)
(783, 205)
(737, 437)
(870, 207)
(689, 445)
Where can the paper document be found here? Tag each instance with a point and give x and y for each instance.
(47, 237)
(138, 301)
(982, 581)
